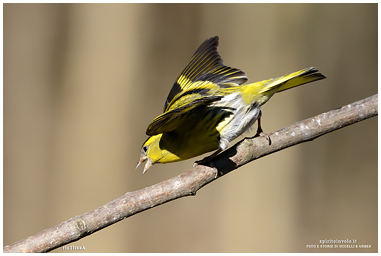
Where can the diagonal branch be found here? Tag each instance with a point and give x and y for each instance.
(188, 183)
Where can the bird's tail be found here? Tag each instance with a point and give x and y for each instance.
(292, 80)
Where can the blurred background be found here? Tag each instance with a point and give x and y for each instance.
(83, 81)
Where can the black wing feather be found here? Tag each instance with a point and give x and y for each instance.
(205, 65)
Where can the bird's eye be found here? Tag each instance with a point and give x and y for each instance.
(145, 148)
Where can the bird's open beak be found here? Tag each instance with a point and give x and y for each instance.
(148, 164)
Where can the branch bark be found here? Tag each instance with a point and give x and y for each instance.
(189, 182)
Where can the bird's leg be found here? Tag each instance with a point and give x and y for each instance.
(260, 131)
(207, 159)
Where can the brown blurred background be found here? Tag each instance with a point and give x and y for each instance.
(83, 81)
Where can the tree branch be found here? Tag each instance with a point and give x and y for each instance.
(188, 183)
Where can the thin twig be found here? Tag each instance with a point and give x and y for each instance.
(188, 183)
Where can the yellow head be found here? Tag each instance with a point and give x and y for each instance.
(153, 152)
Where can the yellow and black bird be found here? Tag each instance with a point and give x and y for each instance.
(208, 107)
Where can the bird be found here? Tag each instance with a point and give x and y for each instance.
(209, 105)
